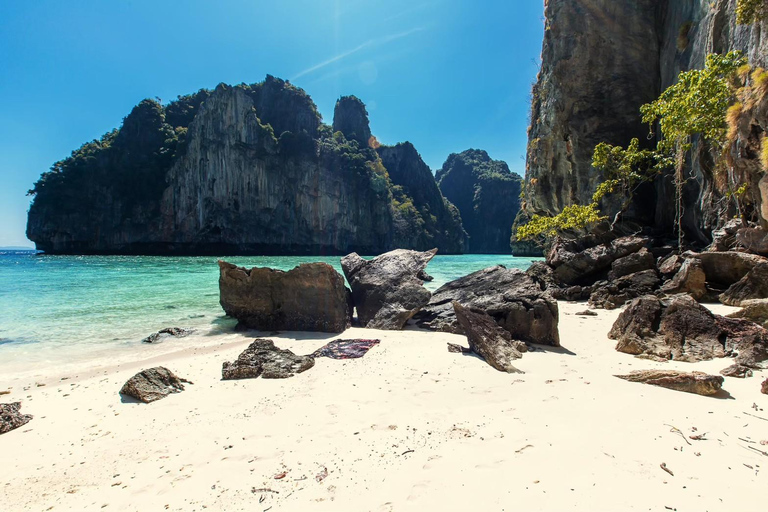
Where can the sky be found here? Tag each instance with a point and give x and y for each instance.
(446, 75)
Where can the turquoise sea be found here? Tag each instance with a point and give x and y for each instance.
(57, 307)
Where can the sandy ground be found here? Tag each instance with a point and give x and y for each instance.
(408, 427)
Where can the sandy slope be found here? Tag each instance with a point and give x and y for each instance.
(408, 427)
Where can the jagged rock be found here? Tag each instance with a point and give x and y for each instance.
(263, 359)
(11, 418)
(683, 330)
(754, 285)
(754, 311)
(386, 290)
(726, 268)
(613, 294)
(724, 239)
(690, 279)
(577, 261)
(512, 297)
(632, 264)
(351, 118)
(168, 332)
(754, 240)
(488, 340)
(738, 371)
(311, 297)
(689, 382)
(671, 265)
(153, 384)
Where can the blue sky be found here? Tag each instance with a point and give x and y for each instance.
(447, 75)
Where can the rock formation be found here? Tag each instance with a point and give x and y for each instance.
(11, 417)
(488, 340)
(754, 285)
(263, 359)
(764, 387)
(153, 384)
(248, 169)
(168, 332)
(689, 382)
(754, 311)
(311, 297)
(388, 290)
(487, 195)
(602, 60)
(513, 298)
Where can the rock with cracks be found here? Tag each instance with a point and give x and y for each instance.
(488, 340)
(11, 418)
(514, 299)
(754, 285)
(153, 384)
(311, 297)
(580, 260)
(168, 332)
(689, 279)
(689, 382)
(388, 290)
(263, 359)
(754, 311)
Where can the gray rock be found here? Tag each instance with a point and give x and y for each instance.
(263, 359)
(153, 384)
(168, 332)
(690, 279)
(726, 268)
(11, 418)
(633, 263)
(577, 261)
(738, 371)
(754, 240)
(616, 293)
(311, 297)
(350, 117)
(725, 238)
(689, 382)
(754, 285)
(387, 290)
(488, 340)
(514, 299)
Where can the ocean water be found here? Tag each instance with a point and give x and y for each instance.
(58, 309)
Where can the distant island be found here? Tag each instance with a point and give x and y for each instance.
(252, 169)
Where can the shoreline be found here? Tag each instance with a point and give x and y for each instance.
(409, 426)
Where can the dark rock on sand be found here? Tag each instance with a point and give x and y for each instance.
(388, 289)
(11, 418)
(263, 359)
(168, 332)
(764, 387)
(689, 382)
(488, 340)
(153, 384)
(754, 285)
(615, 293)
(514, 299)
(311, 297)
(738, 371)
(689, 279)
(576, 261)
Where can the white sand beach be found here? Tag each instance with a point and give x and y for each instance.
(408, 427)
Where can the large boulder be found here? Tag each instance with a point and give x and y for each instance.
(754, 240)
(689, 279)
(682, 329)
(488, 340)
(764, 387)
(153, 384)
(615, 293)
(754, 311)
(726, 268)
(580, 260)
(263, 359)
(636, 262)
(11, 418)
(689, 382)
(515, 300)
(725, 238)
(389, 289)
(754, 285)
(311, 297)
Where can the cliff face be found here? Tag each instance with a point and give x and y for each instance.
(487, 195)
(603, 59)
(245, 169)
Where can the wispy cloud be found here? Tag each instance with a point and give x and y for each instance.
(371, 43)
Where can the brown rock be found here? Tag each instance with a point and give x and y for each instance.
(11, 418)
(615, 293)
(575, 261)
(754, 285)
(726, 268)
(754, 240)
(689, 279)
(689, 382)
(153, 384)
(764, 387)
(738, 371)
(754, 311)
(633, 263)
(263, 359)
(488, 340)
(671, 265)
(311, 297)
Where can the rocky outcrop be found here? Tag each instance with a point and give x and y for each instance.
(514, 299)
(737, 371)
(754, 285)
(263, 359)
(153, 384)
(602, 60)
(11, 417)
(582, 260)
(388, 290)
(689, 279)
(754, 240)
(168, 332)
(617, 292)
(726, 268)
(311, 297)
(754, 311)
(689, 382)
(248, 169)
(494, 344)
(487, 195)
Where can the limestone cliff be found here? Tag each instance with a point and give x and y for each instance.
(603, 59)
(487, 195)
(248, 169)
